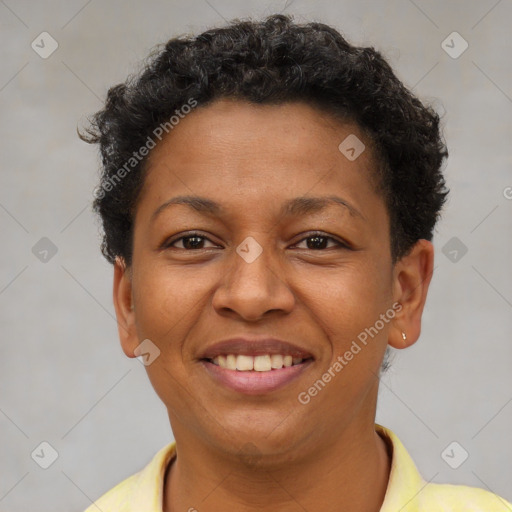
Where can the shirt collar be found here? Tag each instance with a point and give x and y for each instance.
(404, 484)
(148, 488)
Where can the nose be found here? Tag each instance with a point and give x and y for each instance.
(252, 289)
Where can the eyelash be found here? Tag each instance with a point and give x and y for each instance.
(341, 245)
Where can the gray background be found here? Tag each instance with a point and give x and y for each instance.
(64, 378)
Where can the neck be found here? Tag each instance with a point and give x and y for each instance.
(350, 473)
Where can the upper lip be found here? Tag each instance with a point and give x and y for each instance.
(254, 347)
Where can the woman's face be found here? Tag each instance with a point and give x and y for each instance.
(315, 275)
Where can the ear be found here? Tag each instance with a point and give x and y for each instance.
(412, 275)
(123, 304)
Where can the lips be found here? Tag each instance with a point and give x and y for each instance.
(255, 347)
(255, 366)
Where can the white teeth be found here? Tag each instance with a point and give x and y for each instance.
(261, 363)
(230, 362)
(276, 361)
(244, 363)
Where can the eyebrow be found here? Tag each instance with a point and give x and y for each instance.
(293, 207)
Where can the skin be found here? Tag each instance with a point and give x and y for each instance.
(268, 452)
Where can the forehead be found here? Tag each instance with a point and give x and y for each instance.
(294, 130)
(248, 154)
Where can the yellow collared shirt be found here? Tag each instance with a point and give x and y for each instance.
(407, 491)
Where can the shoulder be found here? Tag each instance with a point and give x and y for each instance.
(116, 498)
(461, 498)
(409, 492)
(141, 491)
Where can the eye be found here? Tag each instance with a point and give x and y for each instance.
(189, 242)
(319, 241)
(196, 241)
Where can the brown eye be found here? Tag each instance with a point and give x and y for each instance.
(319, 242)
(190, 242)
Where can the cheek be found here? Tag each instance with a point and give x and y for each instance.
(167, 300)
(168, 304)
(348, 299)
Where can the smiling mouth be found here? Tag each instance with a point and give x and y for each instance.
(259, 363)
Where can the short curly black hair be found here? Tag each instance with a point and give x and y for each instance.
(272, 61)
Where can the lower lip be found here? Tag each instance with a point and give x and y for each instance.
(253, 382)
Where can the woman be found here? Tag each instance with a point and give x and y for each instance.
(268, 198)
